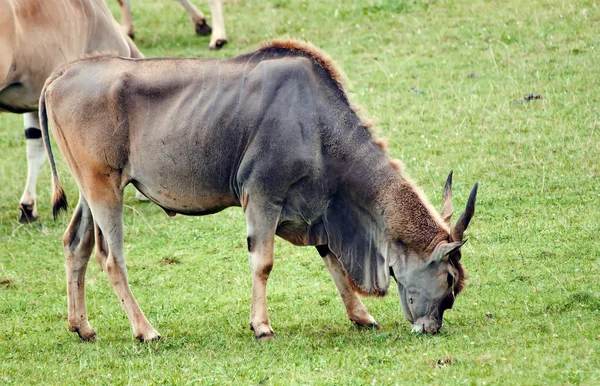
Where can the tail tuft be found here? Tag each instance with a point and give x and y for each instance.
(59, 201)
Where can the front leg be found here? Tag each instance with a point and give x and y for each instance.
(261, 221)
(355, 309)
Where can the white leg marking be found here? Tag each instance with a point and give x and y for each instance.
(36, 156)
(218, 37)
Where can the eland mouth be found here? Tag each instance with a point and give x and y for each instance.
(426, 328)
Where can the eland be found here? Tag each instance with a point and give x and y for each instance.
(35, 38)
(272, 132)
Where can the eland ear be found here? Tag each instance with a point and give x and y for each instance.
(444, 248)
(461, 225)
(447, 208)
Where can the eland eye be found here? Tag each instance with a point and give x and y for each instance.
(450, 280)
(410, 300)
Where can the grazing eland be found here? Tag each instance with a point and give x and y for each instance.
(272, 132)
(218, 38)
(35, 38)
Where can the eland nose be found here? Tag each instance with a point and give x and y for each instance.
(426, 326)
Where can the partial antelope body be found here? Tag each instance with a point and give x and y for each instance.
(271, 131)
(35, 38)
(218, 38)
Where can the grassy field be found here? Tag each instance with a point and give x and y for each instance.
(446, 82)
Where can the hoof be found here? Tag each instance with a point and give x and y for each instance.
(88, 338)
(128, 30)
(152, 336)
(368, 325)
(202, 28)
(263, 332)
(27, 214)
(265, 336)
(85, 334)
(218, 44)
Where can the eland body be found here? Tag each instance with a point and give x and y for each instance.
(272, 132)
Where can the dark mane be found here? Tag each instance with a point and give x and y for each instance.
(290, 47)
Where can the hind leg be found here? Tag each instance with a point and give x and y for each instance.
(78, 242)
(355, 309)
(36, 156)
(108, 216)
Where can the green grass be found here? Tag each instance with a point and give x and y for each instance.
(533, 256)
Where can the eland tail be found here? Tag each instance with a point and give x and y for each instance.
(59, 199)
